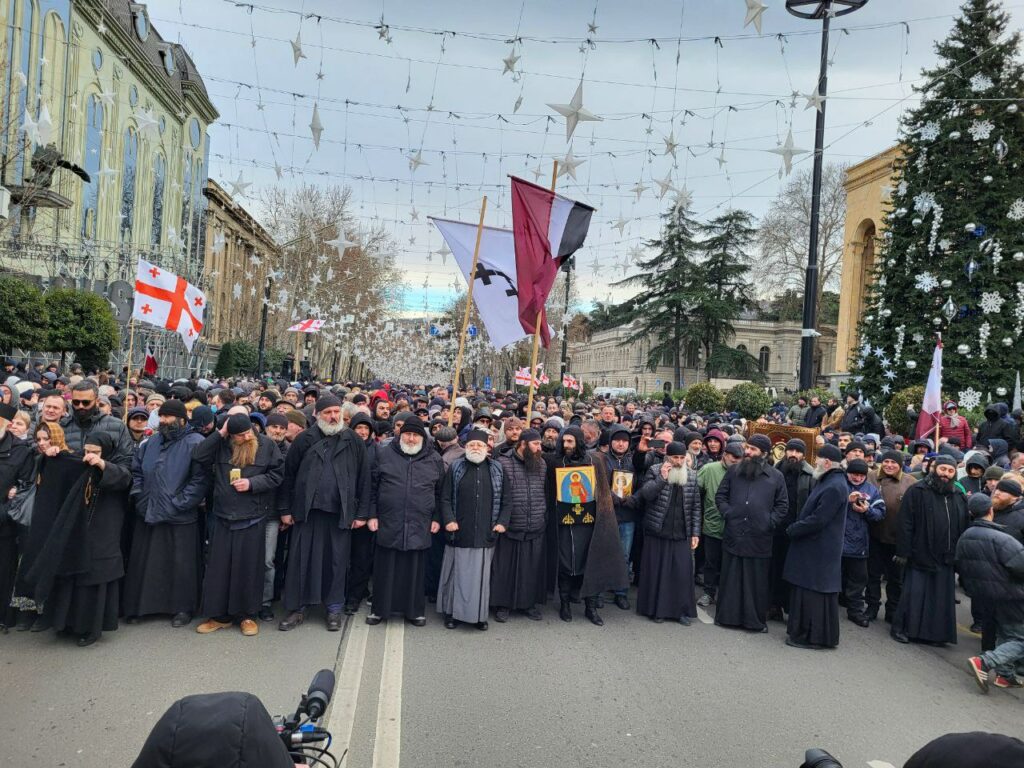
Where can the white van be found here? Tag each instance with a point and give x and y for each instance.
(618, 392)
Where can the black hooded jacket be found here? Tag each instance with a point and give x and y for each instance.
(995, 425)
(228, 729)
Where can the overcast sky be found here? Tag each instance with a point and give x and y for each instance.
(246, 58)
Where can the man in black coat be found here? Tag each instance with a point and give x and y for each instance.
(814, 560)
(16, 472)
(753, 501)
(996, 426)
(325, 494)
(404, 498)
(245, 470)
(932, 517)
(859, 417)
(991, 566)
(799, 477)
(517, 570)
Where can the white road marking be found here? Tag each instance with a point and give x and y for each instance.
(703, 616)
(388, 741)
(349, 674)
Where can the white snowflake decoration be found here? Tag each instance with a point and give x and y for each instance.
(981, 130)
(929, 131)
(1016, 212)
(945, 244)
(969, 399)
(926, 282)
(983, 333)
(902, 188)
(924, 202)
(918, 338)
(981, 83)
(991, 302)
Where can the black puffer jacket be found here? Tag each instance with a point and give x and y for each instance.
(522, 497)
(78, 435)
(1012, 520)
(991, 566)
(673, 511)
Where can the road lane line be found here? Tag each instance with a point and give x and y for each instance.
(349, 675)
(388, 740)
(703, 616)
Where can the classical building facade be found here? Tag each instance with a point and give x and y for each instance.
(92, 84)
(604, 360)
(868, 189)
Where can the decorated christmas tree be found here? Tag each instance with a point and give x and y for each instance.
(952, 257)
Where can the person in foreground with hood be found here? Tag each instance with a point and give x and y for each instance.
(214, 729)
(932, 518)
(585, 549)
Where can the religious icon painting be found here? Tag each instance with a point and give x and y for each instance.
(575, 499)
(622, 483)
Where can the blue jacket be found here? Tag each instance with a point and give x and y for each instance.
(855, 537)
(814, 559)
(167, 485)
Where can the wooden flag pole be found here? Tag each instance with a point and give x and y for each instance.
(536, 326)
(465, 315)
(131, 352)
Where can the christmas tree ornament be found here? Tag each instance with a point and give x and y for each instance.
(911, 365)
(963, 349)
(574, 112)
(926, 282)
(979, 231)
(1007, 341)
(992, 302)
(969, 399)
(937, 321)
(900, 212)
(954, 135)
(970, 268)
(969, 227)
(869, 319)
(1012, 109)
(1001, 149)
(885, 312)
(917, 222)
(1018, 256)
(1016, 212)
(1001, 391)
(981, 130)
(950, 309)
(947, 283)
(987, 179)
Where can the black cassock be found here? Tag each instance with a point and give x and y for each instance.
(163, 569)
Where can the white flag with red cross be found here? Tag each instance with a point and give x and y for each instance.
(308, 326)
(168, 301)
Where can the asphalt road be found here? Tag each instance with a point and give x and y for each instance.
(521, 694)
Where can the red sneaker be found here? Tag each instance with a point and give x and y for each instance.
(977, 667)
(1008, 682)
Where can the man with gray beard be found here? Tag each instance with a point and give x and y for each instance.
(325, 494)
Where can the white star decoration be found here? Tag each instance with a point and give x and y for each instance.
(574, 112)
(315, 126)
(755, 9)
(239, 185)
(416, 160)
(787, 152)
(510, 62)
(664, 185)
(670, 144)
(569, 164)
(815, 100)
(297, 48)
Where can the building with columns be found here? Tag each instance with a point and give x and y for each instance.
(603, 360)
(868, 189)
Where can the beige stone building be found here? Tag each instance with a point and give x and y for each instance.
(604, 361)
(868, 189)
(239, 252)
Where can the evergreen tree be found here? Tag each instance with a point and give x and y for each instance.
(723, 291)
(952, 257)
(662, 313)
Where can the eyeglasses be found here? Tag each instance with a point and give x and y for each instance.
(81, 403)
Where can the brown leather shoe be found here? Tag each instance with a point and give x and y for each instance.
(211, 625)
(249, 627)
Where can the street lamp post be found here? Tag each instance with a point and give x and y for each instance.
(825, 10)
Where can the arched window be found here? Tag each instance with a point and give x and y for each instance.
(92, 158)
(741, 347)
(764, 358)
(159, 175)
(128, 169)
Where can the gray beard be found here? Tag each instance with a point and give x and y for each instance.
(409, 450)
(477, 457)
(330, 430)
(819, 472)
(678, 475)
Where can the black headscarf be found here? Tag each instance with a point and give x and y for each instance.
(579, 455)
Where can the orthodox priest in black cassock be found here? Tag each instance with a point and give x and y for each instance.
(586, 550)
(325, 493)
(672, 524)
(17, 471)
(753, 500)
(813, 564)
(517, 572)
(404, 500)
(77, 568)
(933, 515)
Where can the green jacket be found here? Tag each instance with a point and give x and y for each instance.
(709, 477)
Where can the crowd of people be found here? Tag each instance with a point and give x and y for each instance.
(214, 500)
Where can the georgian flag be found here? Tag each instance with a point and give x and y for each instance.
(308, 326)
(168, 301)
(548, 229)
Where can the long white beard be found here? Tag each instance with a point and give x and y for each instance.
(819, 472)
(476, 457)
(409, 450)
(330, 429)
(678, 475)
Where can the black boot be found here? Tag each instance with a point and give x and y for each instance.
(591, 612)
(871, 614)
(565, 611)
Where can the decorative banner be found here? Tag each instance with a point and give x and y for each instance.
(575, 499)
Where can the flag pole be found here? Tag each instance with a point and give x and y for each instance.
(938, 421)
(469, 306)
(536, 325)
(131, 351)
